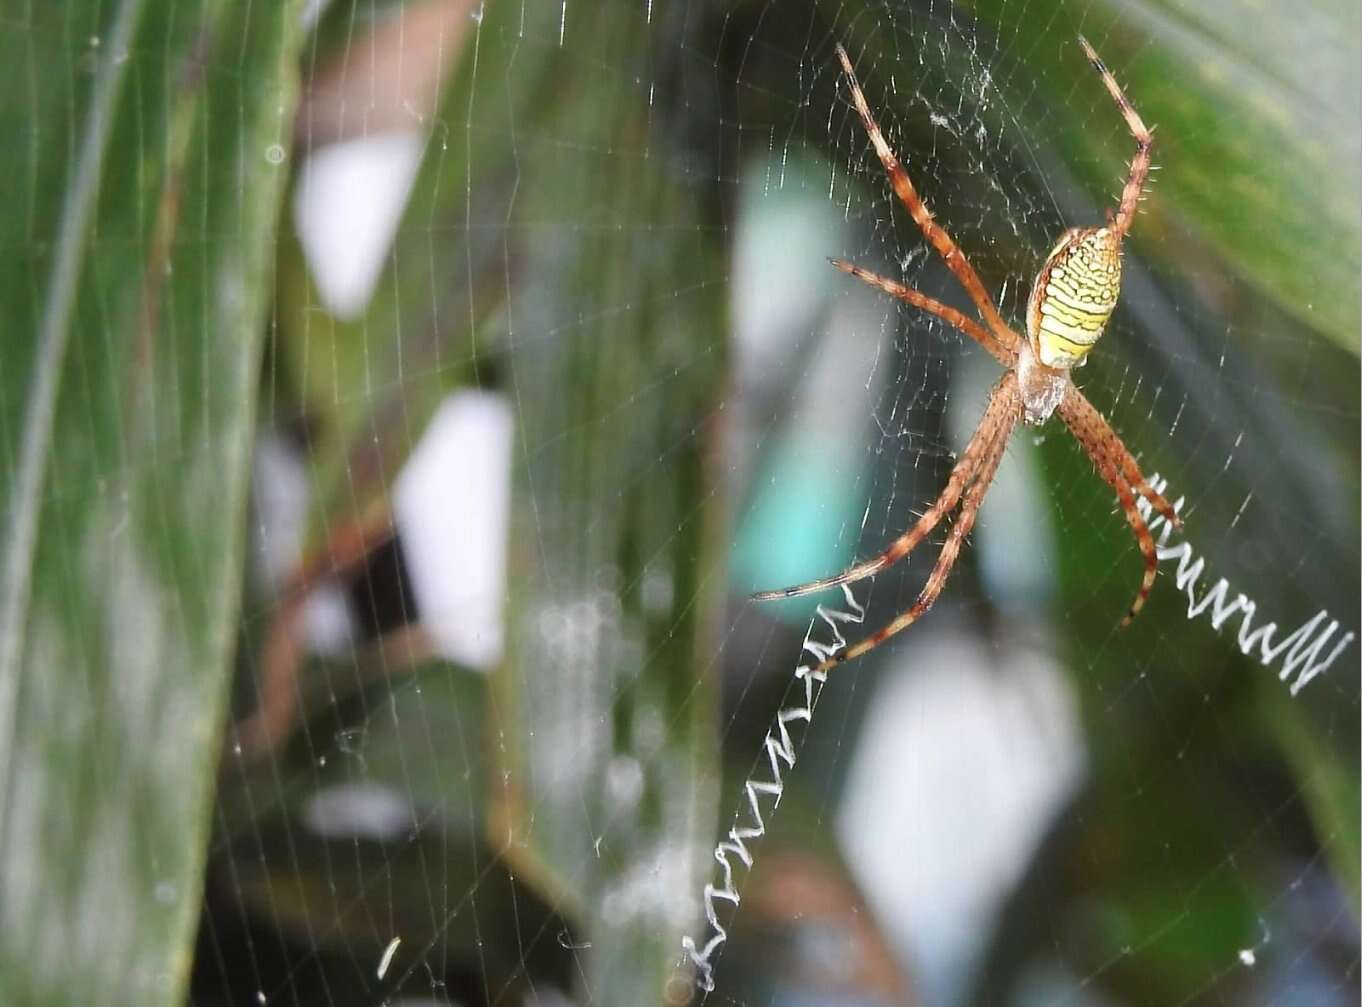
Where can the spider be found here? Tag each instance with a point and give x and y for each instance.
(1071, 301)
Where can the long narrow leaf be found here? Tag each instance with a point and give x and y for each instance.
(141, 210)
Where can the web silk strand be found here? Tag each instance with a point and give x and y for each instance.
(1304, 648)
(781, 749)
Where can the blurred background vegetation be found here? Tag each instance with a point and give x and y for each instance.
(255, 727)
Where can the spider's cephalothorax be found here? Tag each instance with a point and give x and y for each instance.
(1071, 301)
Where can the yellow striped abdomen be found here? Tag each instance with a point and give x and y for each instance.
(1074, 296)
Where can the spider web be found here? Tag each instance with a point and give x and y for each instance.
(499, 693)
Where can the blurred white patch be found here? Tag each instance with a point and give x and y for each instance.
(328, 622)
(624, 783)
(312, 13)
(347, 206)
(781, 298)
(452, 509)
(358, 811)
(960, 771)
(778, 287)
(280, 508)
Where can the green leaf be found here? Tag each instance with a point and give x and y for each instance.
(1268, 143)
(142, 196)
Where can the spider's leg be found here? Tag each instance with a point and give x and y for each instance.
(1004, 354)
(993, 427)
(1091, 427)
(1104, 454)
(1116, 480)
(950, 551)
(943, 243)
(1139, 164)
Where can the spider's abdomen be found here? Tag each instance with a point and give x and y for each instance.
(1074, 296)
